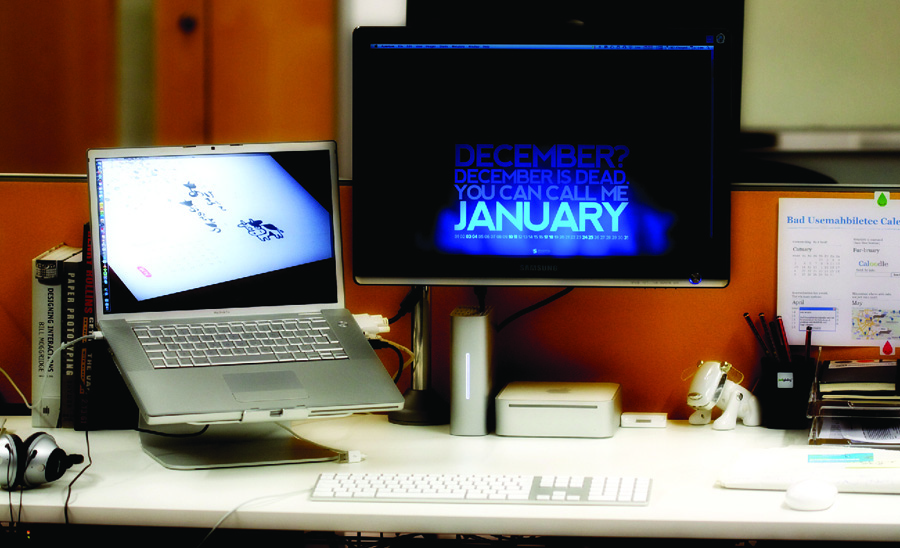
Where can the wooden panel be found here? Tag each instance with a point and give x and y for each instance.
(181, 29)
(271, 70)
(58, 91)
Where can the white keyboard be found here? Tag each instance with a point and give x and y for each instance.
(508, 489)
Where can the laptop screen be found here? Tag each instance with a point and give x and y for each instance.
(192, 230)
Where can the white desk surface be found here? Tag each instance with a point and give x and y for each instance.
(126, 487)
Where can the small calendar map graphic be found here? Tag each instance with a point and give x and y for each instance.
(816, 265)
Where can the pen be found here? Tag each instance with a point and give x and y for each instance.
(776, 341)
(783, 335)
(756, 333)
(769, 337)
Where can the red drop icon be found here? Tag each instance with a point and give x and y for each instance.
(887, 349)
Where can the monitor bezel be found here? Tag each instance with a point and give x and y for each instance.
(546, 271)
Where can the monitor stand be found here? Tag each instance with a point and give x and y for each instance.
(423, 406)
(184, 447)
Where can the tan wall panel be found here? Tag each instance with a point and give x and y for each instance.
(271, 70)
(180, 72)
(57, 83)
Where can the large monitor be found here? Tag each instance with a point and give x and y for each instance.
(575, 158)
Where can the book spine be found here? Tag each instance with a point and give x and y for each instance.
(85, 354)
(73, 278)
(46, 334)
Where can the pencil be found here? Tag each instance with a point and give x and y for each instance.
(759, 338)
(783, 334)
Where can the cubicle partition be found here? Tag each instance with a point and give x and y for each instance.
(643, 339)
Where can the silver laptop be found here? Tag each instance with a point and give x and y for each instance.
(219, 284)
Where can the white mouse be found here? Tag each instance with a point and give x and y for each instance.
(810, 494)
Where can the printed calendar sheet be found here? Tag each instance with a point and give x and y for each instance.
(839, 270)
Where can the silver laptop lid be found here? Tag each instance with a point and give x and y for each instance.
(210, 230)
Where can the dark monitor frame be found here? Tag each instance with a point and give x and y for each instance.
(384, 264)
(576, 15)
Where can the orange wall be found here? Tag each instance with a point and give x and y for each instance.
(643, 339)
(34, 216)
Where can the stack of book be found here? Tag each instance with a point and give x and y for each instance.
(860, 380)
(48, 313)
(856, 402)
(79, 388)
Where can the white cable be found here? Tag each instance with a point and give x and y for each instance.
(96, 335)
(411, 354)
(15, 387)
(245, 503)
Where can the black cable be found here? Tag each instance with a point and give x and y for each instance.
(534, 307)
(408, 303)
(10, 477)
(412, 298)
(21, 507)
(87, 442)
(481, 295)
(378, 345)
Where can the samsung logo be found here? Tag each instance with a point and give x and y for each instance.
(538, 268)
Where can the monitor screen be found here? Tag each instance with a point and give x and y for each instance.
(553, 159)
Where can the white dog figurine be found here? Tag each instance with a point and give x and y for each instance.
(711, 388)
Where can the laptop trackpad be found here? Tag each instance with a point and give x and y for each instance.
(265, 386)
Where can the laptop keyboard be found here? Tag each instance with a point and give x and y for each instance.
(239, 342)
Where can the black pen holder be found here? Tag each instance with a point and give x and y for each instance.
(783, 392)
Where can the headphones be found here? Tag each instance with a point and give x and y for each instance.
(35, 461)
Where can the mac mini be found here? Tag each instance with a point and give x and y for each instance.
(558, 409)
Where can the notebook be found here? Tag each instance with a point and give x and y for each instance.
(191, 242)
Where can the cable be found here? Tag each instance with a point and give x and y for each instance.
(372, 327)
(245, 503)
(399, 348)
(10, 477)
(87, 442)
(378, 344)
(343, 456)
(411, 299)
(95, 336)
(408, 303)
(15, 387)
(534, 307)
(481, 295)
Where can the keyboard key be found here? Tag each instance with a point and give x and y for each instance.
(237, 343)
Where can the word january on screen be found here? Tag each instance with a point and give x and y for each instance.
(539, 216)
